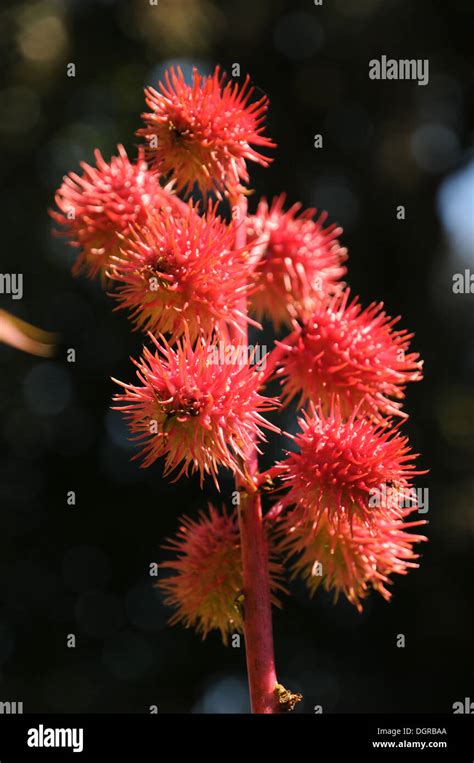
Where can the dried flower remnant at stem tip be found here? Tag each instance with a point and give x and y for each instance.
(287, 700)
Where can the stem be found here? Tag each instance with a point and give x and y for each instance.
(256, 583)
(257, 607)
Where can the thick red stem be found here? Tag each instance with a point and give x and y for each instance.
(256, 581)
(257, 607)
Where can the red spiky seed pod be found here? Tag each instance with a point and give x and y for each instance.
(182, 271)
(204, 133)
(206, 589)
(298, 262)
(198, 413)
(354, 353)
(341, 465)
(351, 558)
(105, 200)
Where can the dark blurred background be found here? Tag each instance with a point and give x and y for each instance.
(83, 570)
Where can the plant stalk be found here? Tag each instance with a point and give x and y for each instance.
(257, 607)
(256, 582)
